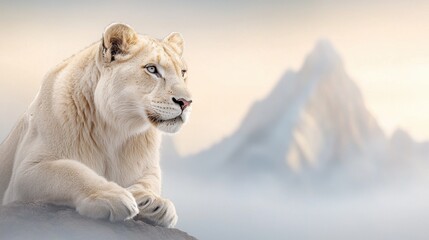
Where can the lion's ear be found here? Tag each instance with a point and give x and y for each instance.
(117, 40)
(175, 40)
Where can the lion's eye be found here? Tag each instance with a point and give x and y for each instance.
(183, 73)
(152, 69)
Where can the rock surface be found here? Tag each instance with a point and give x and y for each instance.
(42, 221)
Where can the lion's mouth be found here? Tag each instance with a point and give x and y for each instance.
(156, 120)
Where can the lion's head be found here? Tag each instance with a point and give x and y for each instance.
(142, 80)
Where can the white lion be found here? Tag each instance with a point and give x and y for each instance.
(90, 139)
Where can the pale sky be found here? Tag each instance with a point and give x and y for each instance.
(236, 52)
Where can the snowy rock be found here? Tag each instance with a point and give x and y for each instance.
(39, 221)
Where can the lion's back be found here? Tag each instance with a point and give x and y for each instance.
(7, 154)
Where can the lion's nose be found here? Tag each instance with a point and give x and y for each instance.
(183, 103)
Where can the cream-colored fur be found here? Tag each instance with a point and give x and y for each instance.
(91, 137)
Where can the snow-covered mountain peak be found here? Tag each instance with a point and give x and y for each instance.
(323, 58)
(313, 122)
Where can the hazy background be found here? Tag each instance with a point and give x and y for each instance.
(237, 51)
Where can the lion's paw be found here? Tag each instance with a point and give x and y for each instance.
(156, 211)
(114, 202)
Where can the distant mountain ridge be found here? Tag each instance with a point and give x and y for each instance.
(313, 121)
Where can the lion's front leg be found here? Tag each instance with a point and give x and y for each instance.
(153, 208)
(69, 182)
